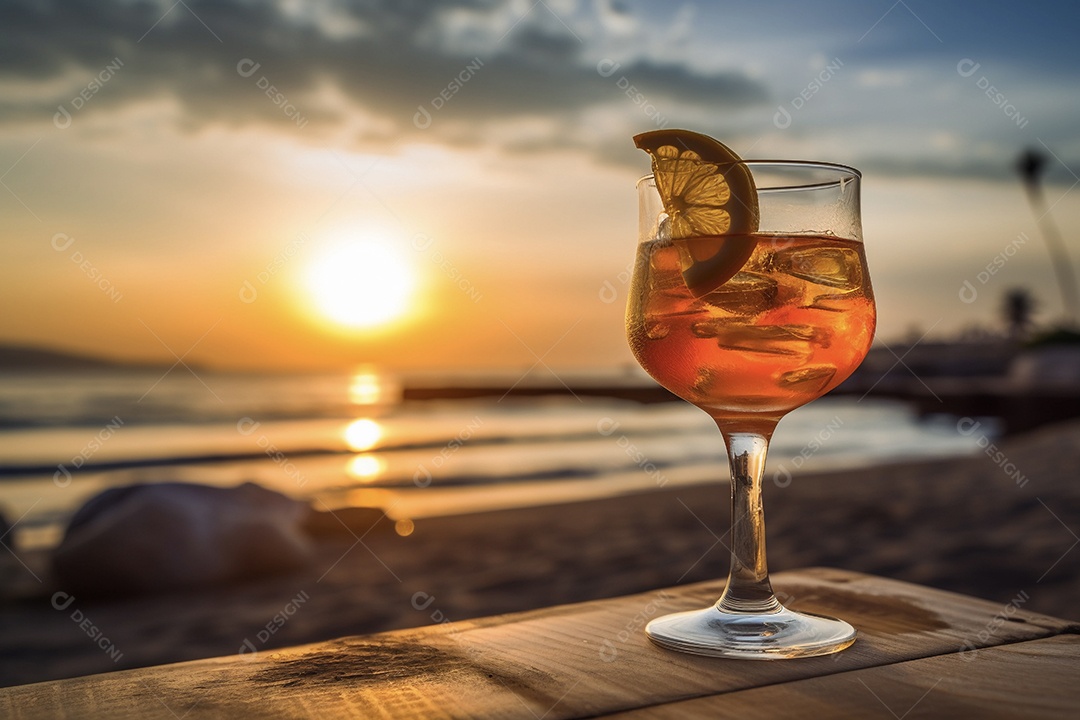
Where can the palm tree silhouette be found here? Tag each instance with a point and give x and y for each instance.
(1030, 165)
(1018, 309)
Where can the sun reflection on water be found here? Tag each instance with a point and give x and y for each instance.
(368, 387)
(363, 434)
(365, 467)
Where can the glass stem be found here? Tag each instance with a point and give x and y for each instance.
(748, 588)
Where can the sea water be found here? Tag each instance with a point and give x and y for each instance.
(346, 439)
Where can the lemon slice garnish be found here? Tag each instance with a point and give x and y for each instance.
(711, 203)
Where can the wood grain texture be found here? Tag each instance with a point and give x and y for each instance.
(569, 661)
(1033, 679)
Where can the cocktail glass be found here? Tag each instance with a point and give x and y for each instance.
(789, 326)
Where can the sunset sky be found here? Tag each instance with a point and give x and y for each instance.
(233, 180)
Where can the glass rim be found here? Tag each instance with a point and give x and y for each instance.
(836, 167)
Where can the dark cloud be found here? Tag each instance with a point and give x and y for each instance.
(1002, 168)
(466, 72)
(389, 58)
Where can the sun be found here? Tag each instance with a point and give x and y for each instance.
(361, 283)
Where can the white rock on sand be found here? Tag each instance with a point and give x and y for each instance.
(155, 537)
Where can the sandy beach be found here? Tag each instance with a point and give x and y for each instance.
(998, 525)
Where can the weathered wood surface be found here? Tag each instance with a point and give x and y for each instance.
(593, 659)
(1033, 679)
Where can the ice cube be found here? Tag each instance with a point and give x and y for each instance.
(746, 293)
(666, 295)
(706, 328)
(813, 378)
(663, 229)
(772, 339)
(662, 305)
(836, 267)
(657, 330)
(660, 281)
(831, 302)
(704, 382)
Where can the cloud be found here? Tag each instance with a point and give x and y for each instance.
(467, 64)
(530, 77)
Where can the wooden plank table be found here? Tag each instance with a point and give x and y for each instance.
(920, 653)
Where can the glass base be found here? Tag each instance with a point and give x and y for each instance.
(766, 636)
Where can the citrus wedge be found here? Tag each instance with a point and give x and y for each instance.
(711, 203)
